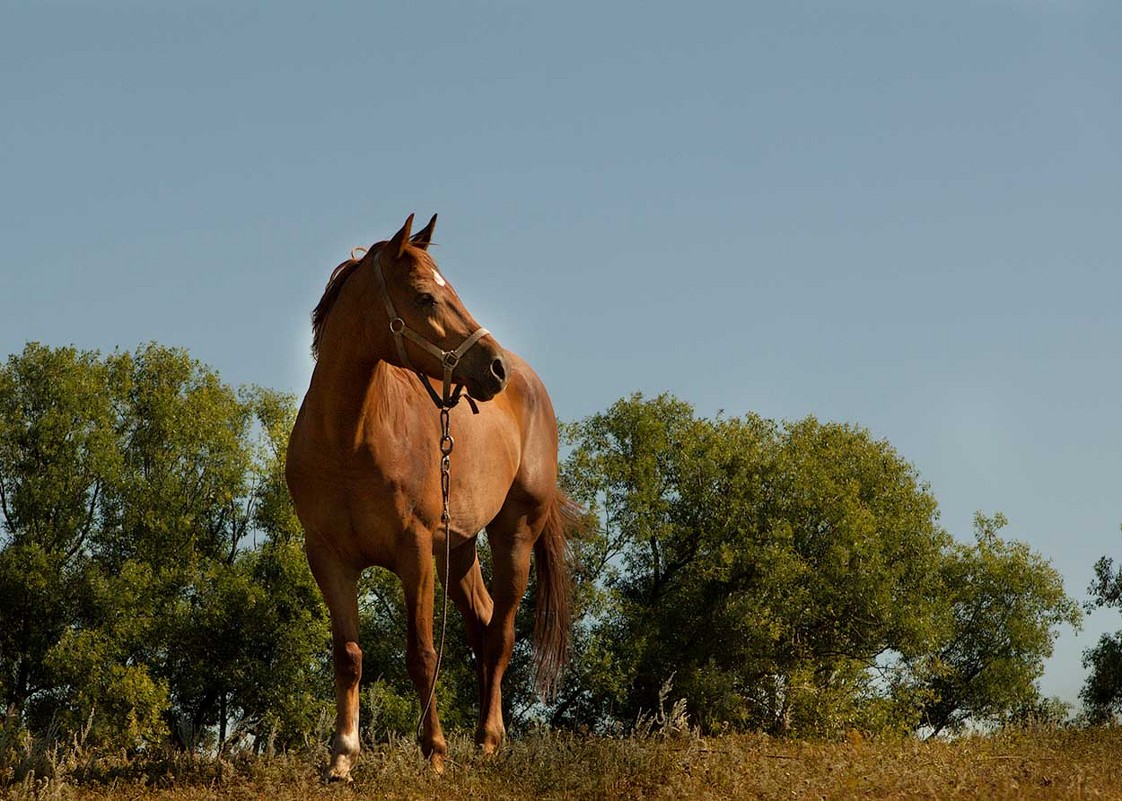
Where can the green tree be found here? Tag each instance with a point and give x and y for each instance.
(1102, 691)
(1004, 604)
(248, 651)
(152, 581)
(765, 567)
(57, 456)
(788, 577)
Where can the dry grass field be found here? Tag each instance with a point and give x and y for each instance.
(1023, 765)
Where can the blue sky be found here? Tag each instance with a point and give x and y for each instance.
(906, 216)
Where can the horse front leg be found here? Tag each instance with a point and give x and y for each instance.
(339, 585)
(415, 569)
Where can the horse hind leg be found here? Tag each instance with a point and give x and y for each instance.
(339, 585)
(469, 593)
(511, 537)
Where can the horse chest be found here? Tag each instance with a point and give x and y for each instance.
(395, 480)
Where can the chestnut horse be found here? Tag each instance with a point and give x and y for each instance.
(363, 471)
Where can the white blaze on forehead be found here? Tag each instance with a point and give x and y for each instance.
(438, 277)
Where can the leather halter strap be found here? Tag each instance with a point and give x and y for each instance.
(449, 359)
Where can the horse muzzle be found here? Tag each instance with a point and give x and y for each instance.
(484, 384)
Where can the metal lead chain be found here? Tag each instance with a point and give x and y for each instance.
(446, 446)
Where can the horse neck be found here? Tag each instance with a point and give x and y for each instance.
(348, 400)
(348, 360)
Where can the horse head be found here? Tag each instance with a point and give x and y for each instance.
(432, 332)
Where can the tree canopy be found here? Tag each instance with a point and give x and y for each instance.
(1102, 691)
(132, 603)
(790, 577)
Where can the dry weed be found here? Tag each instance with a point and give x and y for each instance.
(1056, 764)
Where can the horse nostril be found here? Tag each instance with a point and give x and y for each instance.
(498, 369)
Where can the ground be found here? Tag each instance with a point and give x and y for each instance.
(1024, 765)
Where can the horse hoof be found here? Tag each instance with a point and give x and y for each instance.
(336, 776)
(436, 764)
(489, 740)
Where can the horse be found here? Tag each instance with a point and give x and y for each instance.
(361, 468)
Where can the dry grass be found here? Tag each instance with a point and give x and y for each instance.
(1027, 765)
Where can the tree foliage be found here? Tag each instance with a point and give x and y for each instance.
(1102, 691)
(133, 604)
(1005, 603)
(790, 577)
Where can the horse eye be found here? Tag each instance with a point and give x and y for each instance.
(425, 299)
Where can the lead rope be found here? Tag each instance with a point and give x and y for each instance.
(446, 446)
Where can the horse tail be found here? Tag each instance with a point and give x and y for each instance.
(551, 594)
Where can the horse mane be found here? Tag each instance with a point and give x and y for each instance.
(331, 292)
(335, 285)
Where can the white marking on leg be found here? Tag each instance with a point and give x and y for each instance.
(347, 743)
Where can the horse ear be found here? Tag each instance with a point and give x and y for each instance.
(423, 237)
(401, 238)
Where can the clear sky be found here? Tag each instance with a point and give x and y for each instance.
(902, 215)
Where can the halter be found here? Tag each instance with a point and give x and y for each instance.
(449, 359)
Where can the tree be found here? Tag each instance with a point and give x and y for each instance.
(248, 651)
(152, 581)
(789, 577)
(765, 567)
(1005, 602)
(1102, 691)
(57, 457)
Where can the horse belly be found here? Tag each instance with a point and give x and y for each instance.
(387, 514)
(484, 465)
